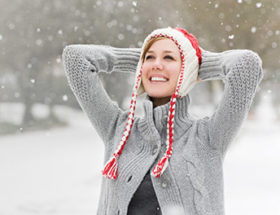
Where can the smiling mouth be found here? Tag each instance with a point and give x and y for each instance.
(158, 79)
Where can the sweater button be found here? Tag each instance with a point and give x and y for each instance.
(164, 185)
(155, 149)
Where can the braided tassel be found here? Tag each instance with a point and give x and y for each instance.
(160, 167)
(163, 163)
(110, 169)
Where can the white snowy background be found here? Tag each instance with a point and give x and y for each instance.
(59, 171)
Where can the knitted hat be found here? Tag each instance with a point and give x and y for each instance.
(191, 59)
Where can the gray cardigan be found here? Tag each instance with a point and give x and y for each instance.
(193, 181)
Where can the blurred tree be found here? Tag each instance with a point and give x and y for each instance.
(240, 24)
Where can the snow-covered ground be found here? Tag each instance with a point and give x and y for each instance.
(58, 171)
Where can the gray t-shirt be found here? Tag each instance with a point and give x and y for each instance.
(144, 200)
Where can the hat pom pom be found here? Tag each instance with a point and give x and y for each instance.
(110, 169)
(160, 167)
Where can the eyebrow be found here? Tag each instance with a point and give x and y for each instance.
(165, 51)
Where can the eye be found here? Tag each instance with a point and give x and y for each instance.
(149, 57)
(169, 57)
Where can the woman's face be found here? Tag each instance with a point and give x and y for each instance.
(161, 68)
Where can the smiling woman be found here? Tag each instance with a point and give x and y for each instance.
(161, 68)
(165, 162)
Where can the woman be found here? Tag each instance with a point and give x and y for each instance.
(166, 162)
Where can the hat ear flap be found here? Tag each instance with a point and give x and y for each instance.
(140, 89)
(138, 80)
(189, 78)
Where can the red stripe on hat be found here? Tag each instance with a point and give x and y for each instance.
(193, 41)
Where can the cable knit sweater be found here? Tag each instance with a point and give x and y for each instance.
(193, 182)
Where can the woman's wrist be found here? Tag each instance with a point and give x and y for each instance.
(126, 59)
(211, 67)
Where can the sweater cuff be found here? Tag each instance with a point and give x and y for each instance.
(126, 59)
(211, 67)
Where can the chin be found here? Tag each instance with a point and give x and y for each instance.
(155, 94)
(159, 95)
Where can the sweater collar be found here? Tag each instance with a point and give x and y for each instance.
(155, 119)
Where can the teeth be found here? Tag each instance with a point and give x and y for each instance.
(158, 79)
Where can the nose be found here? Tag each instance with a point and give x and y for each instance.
(157, 65)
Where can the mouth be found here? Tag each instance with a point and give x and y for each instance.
(158, 79)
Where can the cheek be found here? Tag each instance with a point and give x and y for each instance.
(176, 72)
(145, 69)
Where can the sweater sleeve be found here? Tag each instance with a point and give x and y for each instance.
(241, 73)
(82, 63)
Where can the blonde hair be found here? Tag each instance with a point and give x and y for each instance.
(148, 46)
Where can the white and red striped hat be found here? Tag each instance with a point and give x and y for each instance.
(191, 59)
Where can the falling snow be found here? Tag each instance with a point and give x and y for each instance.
(16, 94)
(65, 98)
(270, 33)
(135, 18)
(39, 42)
(221, 15)
(120, 4)
(99, 2)
(228, 28)
(258, 5)
(11, 26)
(120, 36)
(129, 27)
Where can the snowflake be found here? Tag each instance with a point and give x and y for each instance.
(259, 4)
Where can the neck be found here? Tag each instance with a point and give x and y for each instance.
(160, 101)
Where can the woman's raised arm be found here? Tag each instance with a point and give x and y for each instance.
(241, 72)
(82, 63)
